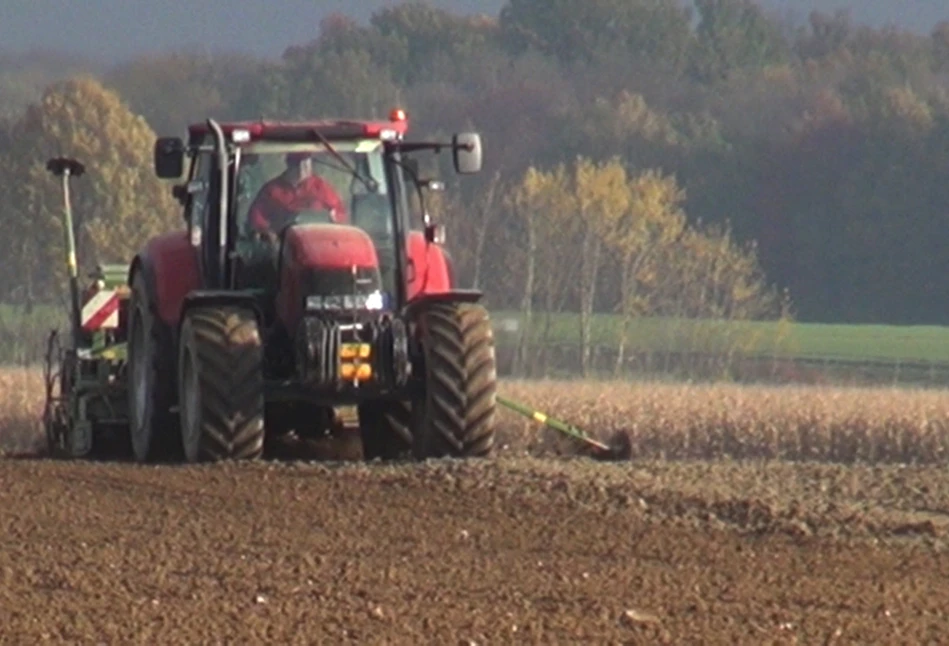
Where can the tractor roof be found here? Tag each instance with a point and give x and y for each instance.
(263, 130)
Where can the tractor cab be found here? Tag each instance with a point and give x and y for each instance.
(284, 189)
(322, 207)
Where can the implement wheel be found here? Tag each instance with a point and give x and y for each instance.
(456, 416)
(221, 385)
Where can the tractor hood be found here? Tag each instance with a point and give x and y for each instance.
(324, 260)
(329, 246)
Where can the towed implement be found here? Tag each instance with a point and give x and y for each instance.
(619, 446)
(226, 334)
(85, 377)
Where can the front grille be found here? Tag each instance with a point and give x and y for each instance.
(338, 282)
(318, 350)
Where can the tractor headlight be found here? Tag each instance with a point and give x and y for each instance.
(375, 301)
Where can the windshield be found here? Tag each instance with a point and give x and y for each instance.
(354, 193)
(364, 196)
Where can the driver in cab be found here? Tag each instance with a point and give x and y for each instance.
(294, 190)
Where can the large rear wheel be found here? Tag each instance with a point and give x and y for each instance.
(153, 428)
(221, 384)
(456, 416)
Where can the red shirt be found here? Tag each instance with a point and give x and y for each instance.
(278, 201)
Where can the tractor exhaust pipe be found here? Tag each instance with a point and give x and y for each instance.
(66, 167)
(220, 272)
(618, 448)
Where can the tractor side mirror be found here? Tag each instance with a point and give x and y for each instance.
(466, 149)
(169, 157)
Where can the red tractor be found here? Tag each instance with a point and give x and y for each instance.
(237, 335)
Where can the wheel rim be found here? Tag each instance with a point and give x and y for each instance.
(190, 399)
(138, 357)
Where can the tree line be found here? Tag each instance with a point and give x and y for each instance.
(641, 156)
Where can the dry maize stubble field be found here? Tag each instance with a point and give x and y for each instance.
(750, 515)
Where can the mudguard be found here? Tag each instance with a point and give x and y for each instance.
(450, 296)
(431, 277)
(429, 271)
(170, 267)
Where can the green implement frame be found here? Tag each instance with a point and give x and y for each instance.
(85, 377)
(618, 448)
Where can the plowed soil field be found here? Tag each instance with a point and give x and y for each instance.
(513, 550)
(747, 516)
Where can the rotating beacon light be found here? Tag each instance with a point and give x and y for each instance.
(398, 115)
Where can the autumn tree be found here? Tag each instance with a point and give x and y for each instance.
(826, 34)
(826, 145)
(527, 201)
(666, 266)
(24, 77)
(652, 222)
(342, 37)
(314, 83)
(720, 279)
(119, 203)
(734, 34)
(473, 220)
(940, 46)
(625, 125)
(173, 90)
(547, 204)
(602, 195)
(583, 30)
(431, 38)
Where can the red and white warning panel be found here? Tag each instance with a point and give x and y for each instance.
(101, 310)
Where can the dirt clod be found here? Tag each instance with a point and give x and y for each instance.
(640, 617)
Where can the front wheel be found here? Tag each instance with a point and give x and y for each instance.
(456, 416)
(221, 385)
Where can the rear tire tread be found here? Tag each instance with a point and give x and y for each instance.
(458, 419)
(228, 357)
